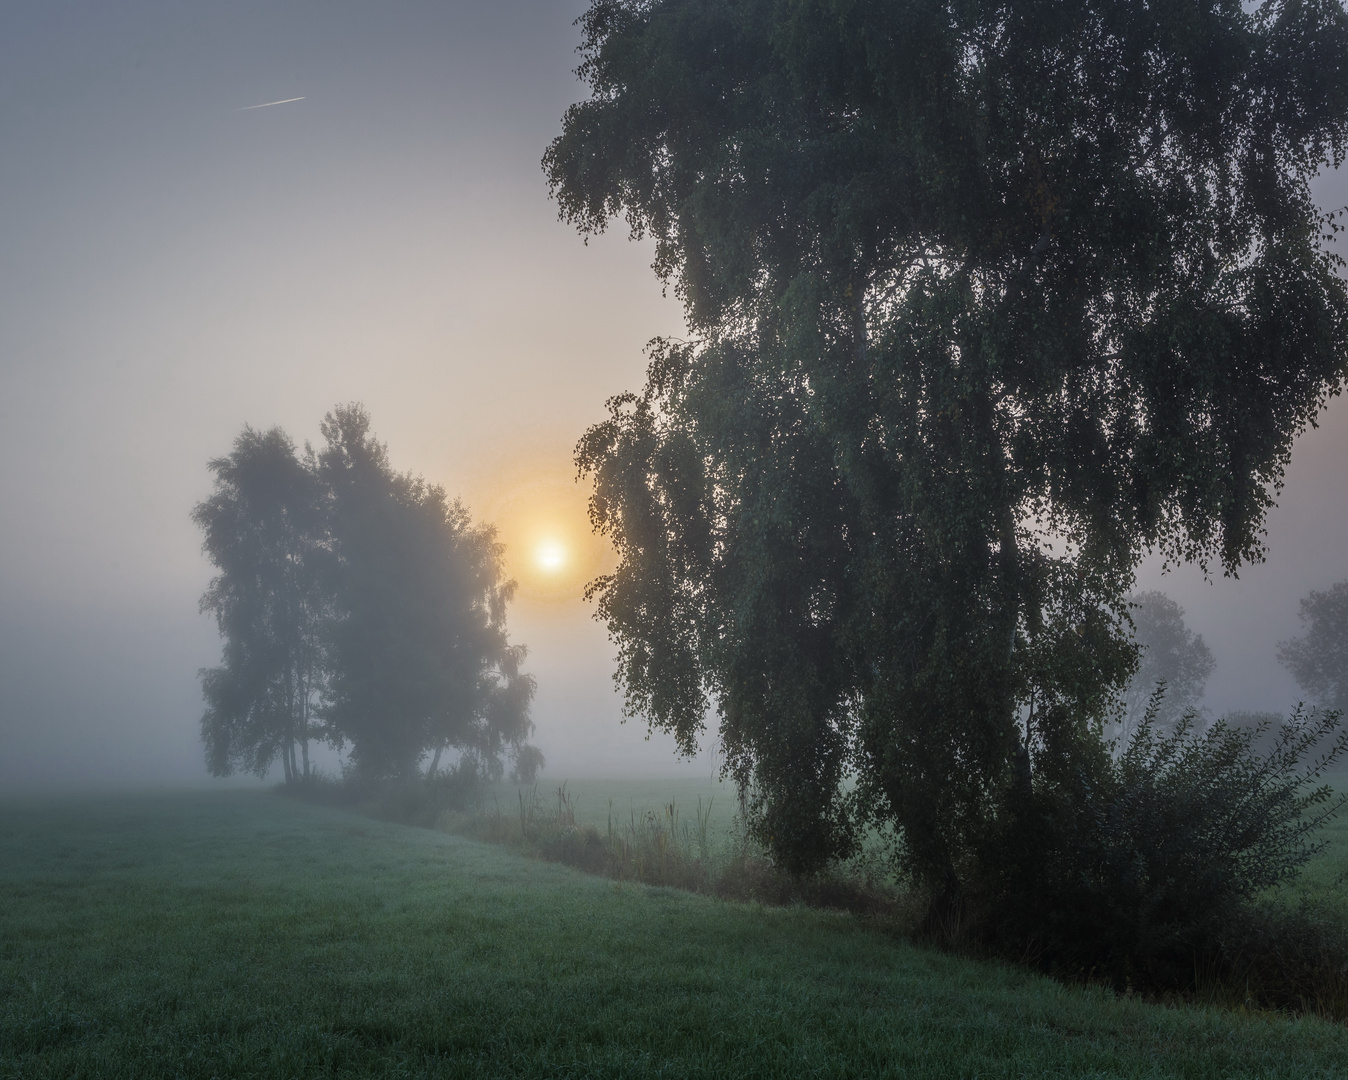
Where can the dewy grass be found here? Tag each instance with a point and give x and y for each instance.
(1286, 952)
(240, 934)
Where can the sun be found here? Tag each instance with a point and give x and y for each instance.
(550, 556)
(541, 515)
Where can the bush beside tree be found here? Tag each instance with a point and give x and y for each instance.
(1149, 870)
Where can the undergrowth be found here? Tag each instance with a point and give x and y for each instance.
(1165, 869)
(668, 848)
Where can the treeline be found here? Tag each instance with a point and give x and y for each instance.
(360, 607)
(1174, 664)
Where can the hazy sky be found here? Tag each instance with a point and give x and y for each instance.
(176, 264)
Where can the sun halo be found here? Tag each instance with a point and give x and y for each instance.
(542, 521)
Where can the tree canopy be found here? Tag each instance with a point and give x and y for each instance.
(987, 298)
(360, 596)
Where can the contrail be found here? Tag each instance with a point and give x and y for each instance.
(265, 104)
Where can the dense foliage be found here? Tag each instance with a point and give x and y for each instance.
(375, 595)
(988, 297)
(1149, 865)
(419, 652)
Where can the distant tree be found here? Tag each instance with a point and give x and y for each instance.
(528, 763)
(265, 532)
(1318, 660)
(1170, 654)
(986, 300)
(419, 657)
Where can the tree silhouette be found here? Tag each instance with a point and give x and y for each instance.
(1318, 660)
(987, 299)
(420, 660)
(1172, 654)
(264, 532)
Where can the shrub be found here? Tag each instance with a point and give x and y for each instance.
(1145, 871)
(1282, 958)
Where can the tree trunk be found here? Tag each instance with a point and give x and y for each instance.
(859, 333)
(288, 745)
(1008, 566)
(945, 910)
(435, 761)
(304, 723)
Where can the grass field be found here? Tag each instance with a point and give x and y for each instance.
(240, 934)
(1324, 882)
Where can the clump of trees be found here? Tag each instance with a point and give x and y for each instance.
(986, 301)
(359, 606)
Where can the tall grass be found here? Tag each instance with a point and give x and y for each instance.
(669, 848)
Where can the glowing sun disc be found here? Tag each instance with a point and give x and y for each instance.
(550, 555)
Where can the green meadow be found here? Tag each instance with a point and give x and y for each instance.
(242, 934)
(1324, 882)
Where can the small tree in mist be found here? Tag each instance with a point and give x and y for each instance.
(1169, 653)
(265, 532)
(1318, 660)
(420, 659)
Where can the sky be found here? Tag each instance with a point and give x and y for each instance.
(176, 264)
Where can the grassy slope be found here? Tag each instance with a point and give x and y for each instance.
(242, 934)
(1325, 881)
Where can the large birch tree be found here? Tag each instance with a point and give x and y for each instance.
(986, 298)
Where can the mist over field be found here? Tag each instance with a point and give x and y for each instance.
(891, 341)
(175, 268)
(178, 263)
